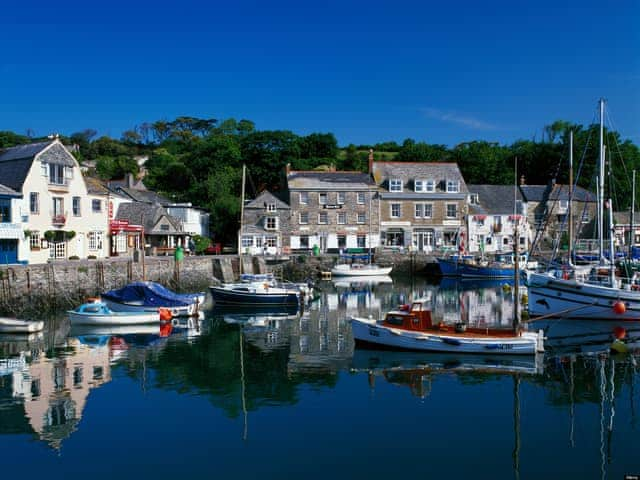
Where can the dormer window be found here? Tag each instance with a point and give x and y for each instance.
(395, 185)
(271, 207)
(418, 186)
(271, 223)
(473, 199)
(453, 186)
(322, 198)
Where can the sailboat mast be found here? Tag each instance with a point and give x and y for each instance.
(632, 232)
(244, 175)
(612, 258)
(570, 246)
(601, 187)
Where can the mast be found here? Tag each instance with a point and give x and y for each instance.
(369, 236)
(601, 187)
(612, 270)
(244, 175)
(632, 233)
(516, 257)
(570, 246)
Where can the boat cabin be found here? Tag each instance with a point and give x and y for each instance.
(416, 316)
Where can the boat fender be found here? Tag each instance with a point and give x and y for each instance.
(165, 314)
(618, 346)
(619, 332)
(619, 307)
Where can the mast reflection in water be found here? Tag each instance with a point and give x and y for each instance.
(254, 394)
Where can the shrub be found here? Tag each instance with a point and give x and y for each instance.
(74, 257)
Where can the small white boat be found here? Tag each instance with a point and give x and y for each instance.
(13, 325)
(97, 313)
(360, 270)
(411, 328)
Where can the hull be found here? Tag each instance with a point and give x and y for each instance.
(80, 330)
(227, 296)
(368, 332)
(573, 299)
(184, 311)
(365, 271)
(478, 271)
(11, 325)
(450, 268)
(116, 318)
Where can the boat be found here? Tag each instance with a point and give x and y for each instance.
(411, 328)
(359, 270)
(13, 325)
(452, 266)
(98, 313)
(87, 330)
(501, 266)
(599, 296)
(255, 293)
(355, 281)
(149, 296)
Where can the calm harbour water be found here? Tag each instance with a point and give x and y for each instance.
(272, 395)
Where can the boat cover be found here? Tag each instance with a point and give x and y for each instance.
(151, 294)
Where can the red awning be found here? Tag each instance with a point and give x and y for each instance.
(479, 217)
(117, 226)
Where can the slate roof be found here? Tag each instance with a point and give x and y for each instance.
(29, 150)
(496, 199)
(536, 193)
(264, 198)
(135, 212)
(312, 180)
(145, 196)
(4, 190)
(96, 186)
(410, 171)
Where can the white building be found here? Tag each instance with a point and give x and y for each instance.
(12, 245)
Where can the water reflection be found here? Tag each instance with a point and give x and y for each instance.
(239, 362)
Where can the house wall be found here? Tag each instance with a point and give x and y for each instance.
(255, 231)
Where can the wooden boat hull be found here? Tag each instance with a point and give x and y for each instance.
(228, 296)
(573, 299)
(370, 332)
(366, 271)
(13, 325)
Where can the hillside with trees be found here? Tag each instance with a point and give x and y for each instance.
(200, 160)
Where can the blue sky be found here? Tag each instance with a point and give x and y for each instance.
(441, 72)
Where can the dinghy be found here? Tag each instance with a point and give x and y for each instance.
(13, 325)
(98, 313)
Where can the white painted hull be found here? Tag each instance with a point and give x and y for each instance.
(79, 330)
(116, 318)
(365, 271)
(584, 335)
(369, 331)
(185, 311)
(549, 295)
(12, 325)
(348, 281)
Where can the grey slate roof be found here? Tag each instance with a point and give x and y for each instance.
(536, 193)
(29, 150)
(95, 186)
(311, 180)
(135, 212)
(496, 199)
(4, 190)
(264, 198)
(145, 196)
(408, 172)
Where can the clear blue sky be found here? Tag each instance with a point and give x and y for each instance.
(438, 71)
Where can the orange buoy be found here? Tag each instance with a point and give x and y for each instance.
(619, 333)
(619, 307)
(165, 314)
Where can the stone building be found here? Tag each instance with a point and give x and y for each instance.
(266, 226)
(333, 210)
(422, 205)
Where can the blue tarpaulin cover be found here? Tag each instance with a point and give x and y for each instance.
(151, 294)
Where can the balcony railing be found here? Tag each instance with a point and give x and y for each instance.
(58, 220)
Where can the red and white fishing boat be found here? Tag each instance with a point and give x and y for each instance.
(411, 328)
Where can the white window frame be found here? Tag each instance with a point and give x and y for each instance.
(362, 218)
(418, 210)
(360, 198)
(340, 198)
(419, 186)
(391, 208)
(342, 218)
(271, 207)
(121, 242)
(322, 198)
(304, 198)
(453, 186)
(454, 205)
(58, 250)
(430, 186)
(361, 241)
(247, 241)
(306, 219)
(323, 218)
(395, 185)
(271, 241)
(34, 201)
(35, 241)
(271, 220)
(96, 240)
(97, 202)
(73, 206)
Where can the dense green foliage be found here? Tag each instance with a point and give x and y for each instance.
(200, 160)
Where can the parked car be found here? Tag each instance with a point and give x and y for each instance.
(213, 249)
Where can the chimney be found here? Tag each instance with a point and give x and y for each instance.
(522, 182)
(370, 160)
(129, 178)
(287, 169)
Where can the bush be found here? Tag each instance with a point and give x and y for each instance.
(74, 257)
(92, 257)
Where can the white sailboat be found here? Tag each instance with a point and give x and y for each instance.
(600, 297)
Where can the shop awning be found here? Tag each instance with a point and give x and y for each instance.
(117, 226)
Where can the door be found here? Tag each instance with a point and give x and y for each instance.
(8, 251)
(80, 245)
(323, 243)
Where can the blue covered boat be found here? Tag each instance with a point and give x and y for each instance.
(256, 293)
(149, 296)
(452, 266)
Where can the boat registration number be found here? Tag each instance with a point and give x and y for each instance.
(503, 346)
(374, 332)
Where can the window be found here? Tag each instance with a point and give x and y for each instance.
(361, 198)
(34, 202)
(340, 198)
(342, 218)
(34, 240)
(323, 218)
(247, 241)
(473, 199)
(304, 198)
(362, 218)
(304, 218)
(271, 241)
(452, 210)
(95, 240)
(5, 210)
(322, 198)
(58, 250)
(505, 241)
(304, 241)
(164, 227)
(96, 206)
(430, 186)
(395, 185)
(361, 241)
(453, 186)
(121, 242)
(271, 223)
(419, 210)
(58, 206)
(342, 241)
(395, 210)
(76, 206)
(271, 207)
(423, 210)
(418, 186)
(523, 241)
(428, 210)
(56, 174)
